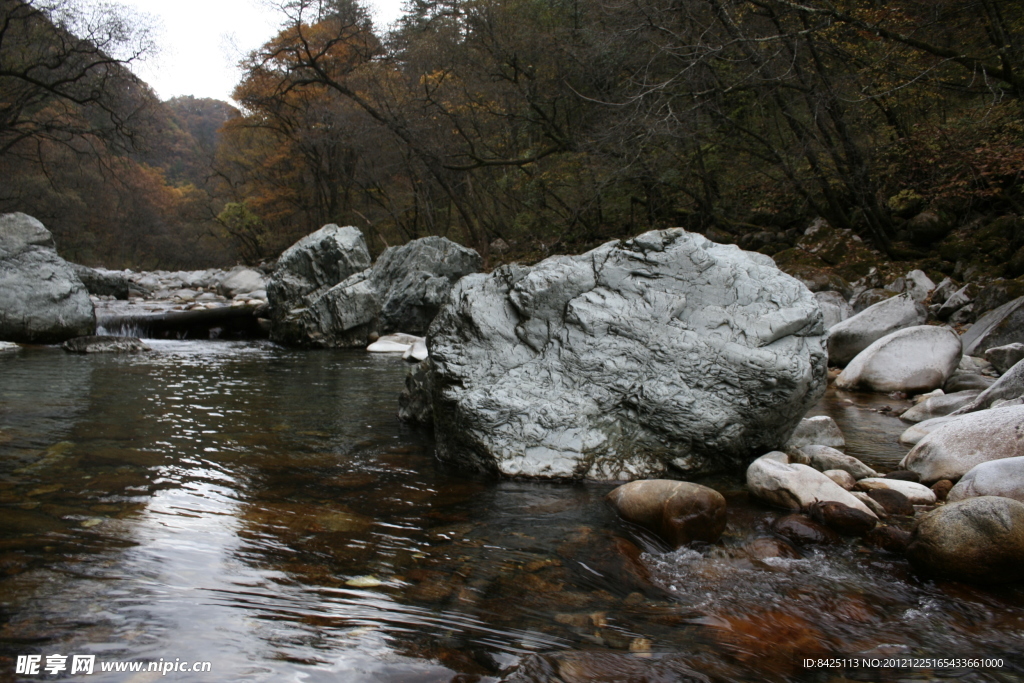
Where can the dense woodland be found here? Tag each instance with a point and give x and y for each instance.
(520, 127)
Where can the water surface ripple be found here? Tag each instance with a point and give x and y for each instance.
(264, 510)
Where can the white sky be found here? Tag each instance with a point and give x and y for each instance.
(201, 41)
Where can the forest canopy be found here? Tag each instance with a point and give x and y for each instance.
(519, 127)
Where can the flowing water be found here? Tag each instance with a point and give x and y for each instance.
(263, 510)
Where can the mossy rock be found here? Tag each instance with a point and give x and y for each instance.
(796, 256)
(998, 293)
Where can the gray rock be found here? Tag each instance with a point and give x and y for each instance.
(679, 512)
(943, 291)
(917, 494)
(958, 445)
(102, 282)
(978, 540)
(913, 434)
(403, 290)
(42, 300)
(343, 316)
(417, 352)
(821, 430)
(834, 308)
(105, 344)
(967, 382)
(841, 477)
(795, 486)
(870, 297)
(870, 503)
(823, 458)
(413, 281)
(938, 406)
(1005, 357)
(912, 360)
(1004, 478)
(851, 336)
(414, 401)
(241, 280)
(998, 327)
(314, 264)
(666, 350)
(1007, 388)
(919, 285)
(394, 343)
(953, 303)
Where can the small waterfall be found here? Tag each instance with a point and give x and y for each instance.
(124, 327)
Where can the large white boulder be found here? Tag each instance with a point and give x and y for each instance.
(912, 360)
(993, 478)
(795, 486)
(950, 451)
(851, 336)
(664, 351)
(42, 299)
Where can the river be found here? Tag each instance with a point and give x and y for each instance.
(264, 510)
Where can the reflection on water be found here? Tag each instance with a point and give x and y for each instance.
(263, 510)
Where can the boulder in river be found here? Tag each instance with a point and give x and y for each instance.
(795, 486)
(952, 449)
(978, 540)
(314, 264)
(413, 281)
(851, 336)
(679, 512)
(42, 300)
(666, 350)
(911, 360)
(994, 478)
(403, 290)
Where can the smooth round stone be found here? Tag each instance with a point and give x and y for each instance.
(950, 451)
(802, 530)
(978, 540)
(917, 494)
(842, 518)
(892, 501)
(911, 360)
(679, 512)
(1003, 478)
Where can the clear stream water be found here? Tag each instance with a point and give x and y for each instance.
(264, 510)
